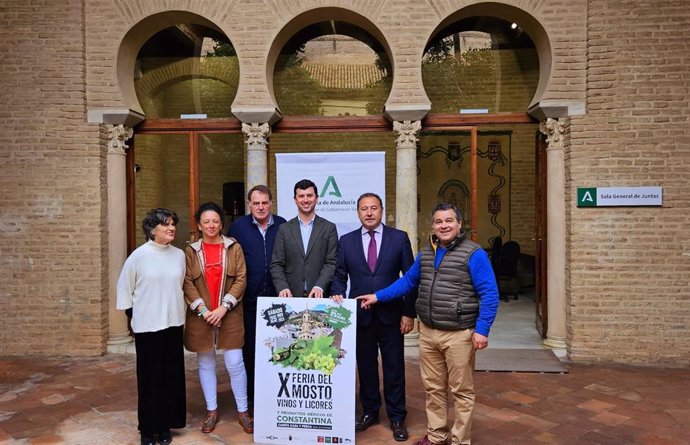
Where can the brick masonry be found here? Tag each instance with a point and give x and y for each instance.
(628, 267)
(53, 183)
(627, 272)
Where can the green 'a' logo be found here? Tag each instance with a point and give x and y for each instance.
(330, 182)
(587, 197)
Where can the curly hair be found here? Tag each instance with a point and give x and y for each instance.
(155, 217)
(205, 207)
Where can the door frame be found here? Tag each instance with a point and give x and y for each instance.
(540, 238)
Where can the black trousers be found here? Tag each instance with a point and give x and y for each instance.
(161, 380)
(387, 338)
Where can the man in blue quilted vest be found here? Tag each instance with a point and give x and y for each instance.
(456, 304)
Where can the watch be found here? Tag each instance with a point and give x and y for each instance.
(227, 305)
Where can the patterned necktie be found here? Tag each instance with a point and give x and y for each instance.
(371, 254)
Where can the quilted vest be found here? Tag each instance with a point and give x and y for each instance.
(447, 299)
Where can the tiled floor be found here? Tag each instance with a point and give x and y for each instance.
(93, 401)
(514, 327)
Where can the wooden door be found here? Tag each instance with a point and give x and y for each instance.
(474, 218)
(540, 191)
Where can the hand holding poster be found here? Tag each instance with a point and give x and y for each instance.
(305, 371)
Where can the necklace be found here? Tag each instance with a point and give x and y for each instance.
(218, 260)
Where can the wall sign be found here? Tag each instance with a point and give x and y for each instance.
(340, 178)
(618, 196)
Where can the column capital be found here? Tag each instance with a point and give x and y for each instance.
(406, 132)
(554, 130)
(118, 135)
(257, 135)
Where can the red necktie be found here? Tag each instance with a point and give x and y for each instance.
(371, 254)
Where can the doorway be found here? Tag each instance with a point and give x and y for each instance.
(505, 211)
(181, 164)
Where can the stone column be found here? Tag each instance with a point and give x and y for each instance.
(406, 176)
(406, 190)
(257, 140)
(118, 332)
(257, 153)
(555, 232)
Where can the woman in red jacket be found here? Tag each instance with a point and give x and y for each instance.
(214, 285)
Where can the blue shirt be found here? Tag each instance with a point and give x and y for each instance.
(305, 229)
(306, 232)
(261, 229)
(483, 280)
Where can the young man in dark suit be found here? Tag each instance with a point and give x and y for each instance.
(305, 254)
(373, 257)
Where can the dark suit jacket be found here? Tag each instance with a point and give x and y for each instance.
(291, 267)
(395, 256)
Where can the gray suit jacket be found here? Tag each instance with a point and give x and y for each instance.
(291, 267)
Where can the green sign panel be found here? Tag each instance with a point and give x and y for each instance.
(619, 196)
(587, 197)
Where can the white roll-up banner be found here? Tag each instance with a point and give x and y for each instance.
(340, 178)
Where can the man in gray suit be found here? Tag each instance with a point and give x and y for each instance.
(305, 254)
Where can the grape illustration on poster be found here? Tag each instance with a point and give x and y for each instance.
(309, 339)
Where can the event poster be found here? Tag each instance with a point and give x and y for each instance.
(305, 371)
(340, 177)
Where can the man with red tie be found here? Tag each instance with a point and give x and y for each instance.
(373, 257)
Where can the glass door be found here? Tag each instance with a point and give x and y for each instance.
(179, 169)
(161, 179)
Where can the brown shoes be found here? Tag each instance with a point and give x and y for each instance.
(210, 423)
(246, 422)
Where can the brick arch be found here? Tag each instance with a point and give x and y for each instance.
(314, 16)
(137, 36)
(527, 21)
(164, 76)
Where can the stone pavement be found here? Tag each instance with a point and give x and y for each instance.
(93, 401)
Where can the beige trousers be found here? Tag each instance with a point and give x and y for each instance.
(447, 362)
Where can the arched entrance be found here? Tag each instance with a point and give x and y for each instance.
(179, 71)
(482, 69)
(331, 79)
(190, 148)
